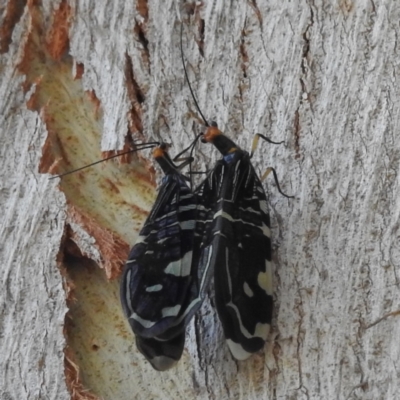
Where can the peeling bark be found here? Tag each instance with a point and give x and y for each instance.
(81, 78)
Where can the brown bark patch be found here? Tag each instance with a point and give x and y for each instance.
(57, 37)
(13, 13)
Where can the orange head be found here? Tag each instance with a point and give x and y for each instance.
(211, 134)
(160, 151)
(219, 140)
(160, 154)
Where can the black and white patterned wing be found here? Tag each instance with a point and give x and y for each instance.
(158, 274)
(162, 354)
(242, 257)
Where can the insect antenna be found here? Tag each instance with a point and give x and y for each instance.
(191, 149)
(139, 147)
(187, 80)
(186, 161)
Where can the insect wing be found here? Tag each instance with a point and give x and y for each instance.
(206, 195)
(242, 246)
(162, 354)
(158, 274)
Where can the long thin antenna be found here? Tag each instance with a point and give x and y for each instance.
(187, 80)
(190, 147)
(145, 146)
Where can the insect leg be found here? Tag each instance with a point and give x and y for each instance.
(266, 173)
(256, 138)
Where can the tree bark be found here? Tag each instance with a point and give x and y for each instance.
(79, 78)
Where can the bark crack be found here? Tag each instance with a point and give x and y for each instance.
(379, 320)
(13, 13)
(304, 95)
(299, 338)
(197, 332)
(141, 37)
(136, 98)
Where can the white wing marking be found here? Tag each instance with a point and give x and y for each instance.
(264, 279)
(180, 267)
(171, 311)
(247, 290)
(154, 288)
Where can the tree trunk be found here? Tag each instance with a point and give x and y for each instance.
(79, 78)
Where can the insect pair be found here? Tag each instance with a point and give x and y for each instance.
(221, 229)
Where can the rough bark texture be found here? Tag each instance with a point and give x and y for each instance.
(322, 76)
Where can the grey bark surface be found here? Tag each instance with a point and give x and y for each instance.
(321, 76)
